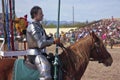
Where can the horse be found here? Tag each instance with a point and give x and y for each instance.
(74, 58)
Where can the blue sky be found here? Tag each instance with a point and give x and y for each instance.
(83, 9)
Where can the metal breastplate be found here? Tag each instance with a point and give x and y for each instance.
(32, 43)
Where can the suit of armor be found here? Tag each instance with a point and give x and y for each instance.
(37, 41)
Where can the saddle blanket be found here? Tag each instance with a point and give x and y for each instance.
(22, 72)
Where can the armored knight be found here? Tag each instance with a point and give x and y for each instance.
(37, 43)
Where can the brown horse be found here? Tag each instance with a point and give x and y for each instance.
(74, 58)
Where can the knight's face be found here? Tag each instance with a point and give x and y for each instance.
(39, 15)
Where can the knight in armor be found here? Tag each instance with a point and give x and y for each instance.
(37, 43)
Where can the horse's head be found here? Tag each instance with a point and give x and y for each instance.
(99, 52)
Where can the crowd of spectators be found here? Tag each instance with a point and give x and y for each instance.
(106, 29)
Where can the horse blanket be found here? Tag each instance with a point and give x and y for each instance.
(22, 72)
